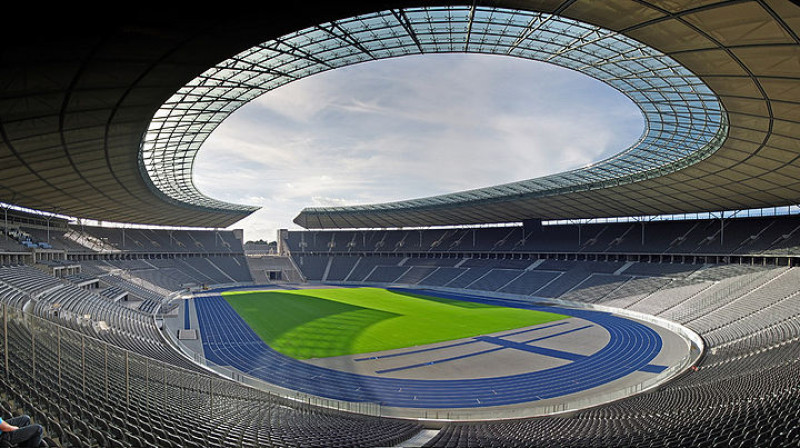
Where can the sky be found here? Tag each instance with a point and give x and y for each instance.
(406, 128)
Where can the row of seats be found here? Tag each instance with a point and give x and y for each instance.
(744, 393)
(174, 274)
(125, 387)
(156, 240)
(772, 235)
(93, 396)
(615, 283)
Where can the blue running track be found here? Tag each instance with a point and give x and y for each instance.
(229, 341)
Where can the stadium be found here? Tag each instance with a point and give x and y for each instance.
(651, 298)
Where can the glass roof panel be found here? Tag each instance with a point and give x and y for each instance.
(685, 122)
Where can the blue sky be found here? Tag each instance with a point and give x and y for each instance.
(405, 128)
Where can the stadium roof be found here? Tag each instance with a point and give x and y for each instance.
(102, 120)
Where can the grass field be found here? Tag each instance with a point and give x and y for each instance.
(320, 323)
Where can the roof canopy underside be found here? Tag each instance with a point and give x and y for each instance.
(76, 108)
(747, 53)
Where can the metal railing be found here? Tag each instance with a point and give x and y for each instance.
(39, 354)
(742, 285)
(42, 353)
(560, 405)
(366, 408)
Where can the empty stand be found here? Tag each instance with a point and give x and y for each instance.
(89, 355)
(779, 235)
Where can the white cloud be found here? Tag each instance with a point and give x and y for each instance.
(406, 128)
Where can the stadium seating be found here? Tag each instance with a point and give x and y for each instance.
(742, 394)
(154, 240)
(50, 378)
(92, 395)
(172, 274)
(85, 359)
(749, 399)
(743, 236)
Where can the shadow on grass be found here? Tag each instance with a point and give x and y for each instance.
(303, 326)
(445, 301)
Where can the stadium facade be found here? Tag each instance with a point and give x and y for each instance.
(102, 118)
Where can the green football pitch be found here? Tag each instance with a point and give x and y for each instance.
(320, 323)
